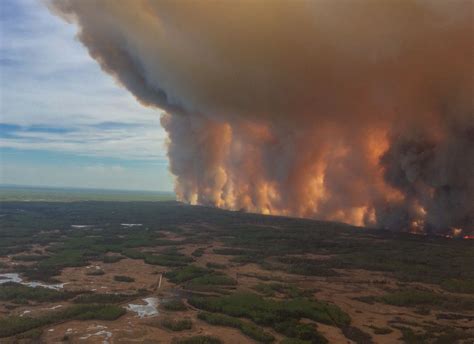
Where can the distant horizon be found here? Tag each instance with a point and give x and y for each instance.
(31, 186)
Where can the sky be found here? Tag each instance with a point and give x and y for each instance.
(64, 122)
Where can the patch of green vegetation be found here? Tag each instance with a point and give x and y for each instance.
(229, 251)
(174, 305)
(283, 316)
(465, 286)
(307, 267)
(186, 273)
(33, 336)
(290, 291)
(45, 269)
(112, 259)
(177, 325)
(381, 330)
(194, 275)
(310, 270)
(214, 278)
(262, 277)
(422, 310)
(13, 325)
(127, 279)
(133, 254)
(103, 298)
(294, 341)
(266, 311)
(198, 340)
(357, 335)
(95, 272)
(29, 257)
(19, 293)
(79, 247)
(198, 252)
(248, 258)
(414, 297)
(251, 330)
(171, 259)
(165, 242)
(410, 337)
(421, 299)
(211, 265)
(303, 331)
(435, 334)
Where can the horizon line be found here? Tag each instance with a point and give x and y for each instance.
(7, 185)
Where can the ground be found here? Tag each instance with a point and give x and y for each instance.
(241, 278)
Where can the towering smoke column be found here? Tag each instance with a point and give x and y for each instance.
(356, 111)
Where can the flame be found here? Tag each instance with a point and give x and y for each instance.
(456, 232)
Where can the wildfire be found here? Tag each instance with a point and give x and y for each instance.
(319, 117)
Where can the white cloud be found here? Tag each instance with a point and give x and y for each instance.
(48, 79)
(132, 143)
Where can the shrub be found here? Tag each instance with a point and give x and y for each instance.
(133, 254)
(112, 259)
(411, 297)
(29, 258)
(229, 251)
(12, 325)
(311, 270)
(294, 341)
(246, 328)
(271, 312)
(294, 329)
(95, 272)
(102, 298)
(196, 276)
(18, 293)
(459, 286)
(211, 265)
(175, 305)
(381, 330)
(213, 279)
(421, 299)
(291, 291)
(33, 336)
(307, 266)
(198, 252)
(120, 278)
(176, 259)
(357, 335)
(198, 340)
(186, 273)
(177, 325)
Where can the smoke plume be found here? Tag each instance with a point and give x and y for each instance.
(355, 111)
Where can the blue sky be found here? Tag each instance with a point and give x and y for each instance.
(64, 122)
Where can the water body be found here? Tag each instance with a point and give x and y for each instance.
(15, 278)
(148, 310)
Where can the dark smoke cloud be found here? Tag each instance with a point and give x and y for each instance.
(358, 111)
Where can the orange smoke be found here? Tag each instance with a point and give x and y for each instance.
(353, 111)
